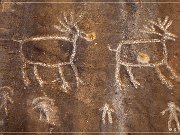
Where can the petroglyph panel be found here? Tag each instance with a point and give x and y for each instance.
(89, 67)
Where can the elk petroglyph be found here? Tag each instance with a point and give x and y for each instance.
(143, 59)
(68, 27)
(172, 108)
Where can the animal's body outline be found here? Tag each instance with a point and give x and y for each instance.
(163, 25)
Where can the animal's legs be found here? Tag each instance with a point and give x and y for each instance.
(24, 66)
(132, 79)
(65, 84)
(117, 75)
(174, 76)
(76, 74)
(119, 84)
(24, 74)
(163, 79)
(38, 78)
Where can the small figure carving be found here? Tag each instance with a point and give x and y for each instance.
(172, 108)
(106, 110)
(143, 59)
(45, 106)
(6, 97)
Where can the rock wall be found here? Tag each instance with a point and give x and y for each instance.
(88, 66)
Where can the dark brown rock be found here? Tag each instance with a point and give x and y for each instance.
(76, 109)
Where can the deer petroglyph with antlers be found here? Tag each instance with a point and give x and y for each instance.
(70, 29)
(143, 59)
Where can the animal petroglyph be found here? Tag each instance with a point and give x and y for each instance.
(172, 108)
(68, 27)
(106, 110)
(45, 106)
(143, 59)
(6, 97)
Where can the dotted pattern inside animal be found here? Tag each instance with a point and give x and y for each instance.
(143, 58)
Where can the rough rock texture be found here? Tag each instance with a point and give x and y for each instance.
(77, 109)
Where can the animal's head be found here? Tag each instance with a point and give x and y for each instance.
(69, 26)
(159, 28)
